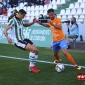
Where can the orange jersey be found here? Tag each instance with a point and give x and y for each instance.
(57, 34)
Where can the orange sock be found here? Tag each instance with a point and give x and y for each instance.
(69, 57)
(57, 57)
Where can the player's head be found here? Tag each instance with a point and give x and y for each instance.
(51, 13)
(21, 13)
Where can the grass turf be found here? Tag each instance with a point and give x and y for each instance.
(15, 72)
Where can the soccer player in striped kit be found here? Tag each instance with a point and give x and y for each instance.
(16, 25)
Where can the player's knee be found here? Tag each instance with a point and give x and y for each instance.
(65, 53)
(34, 50)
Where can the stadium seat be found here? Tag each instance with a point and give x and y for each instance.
(32, 8)
(13, 8)
(63, 1)
(58, 2)
(21, 5)
(32, 13)
(10, 10)
(83, 11)
(73, 11)
(83, 0)
(27, 18)
(25, 3)
(54, 6)
(32, 17)
(36, 7)
(40, 7)
(28, 8)
(45, 12)
(53, 2)
(9, 14)
(41, 12)
(25, 8)
(71, 6)
(82, 17)
(36, 13)
(17, 8)
(81, 20)
(67, 12)
(62, 12)
(77, 5)
(45, 7)
(50, 6)
(5, 18)
(1, 18)
(76, 16)
(64, 17)
(82, 5)
(79, 11)
(28, 13)
(79, 1)
(59, 16)
(69, 17)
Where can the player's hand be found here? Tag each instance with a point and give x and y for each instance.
(9, 40)
(34, 20)
(37, 21)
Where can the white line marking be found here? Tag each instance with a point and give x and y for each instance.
(36, 60)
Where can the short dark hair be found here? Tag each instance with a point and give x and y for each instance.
(50, 10)
(22, 11)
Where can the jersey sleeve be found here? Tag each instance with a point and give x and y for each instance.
(11, 22)
(58, 21)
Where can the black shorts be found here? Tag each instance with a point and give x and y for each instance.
(23, 43)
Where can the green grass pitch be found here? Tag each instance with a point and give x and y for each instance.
(15, 72)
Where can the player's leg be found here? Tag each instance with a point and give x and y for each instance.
(33, 56)
(56, 51)
(63, 46)
(70, 58)
(26, 44)
(57, 57)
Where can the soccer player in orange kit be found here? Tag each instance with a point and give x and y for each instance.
(58, 37)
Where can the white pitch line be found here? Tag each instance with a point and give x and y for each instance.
(36, 60)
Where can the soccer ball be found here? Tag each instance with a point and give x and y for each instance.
(59, 67)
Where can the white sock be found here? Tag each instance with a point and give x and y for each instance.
(32, 58)
(36, 57)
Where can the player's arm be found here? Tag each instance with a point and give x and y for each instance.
(57, 26)
(6, 34)
(45, 25)
(29, 24)
(10, 24)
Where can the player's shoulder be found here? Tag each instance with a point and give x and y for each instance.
(58, 18)
(11, 20)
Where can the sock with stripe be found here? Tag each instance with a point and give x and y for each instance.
(32, 59)
(36, 57)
